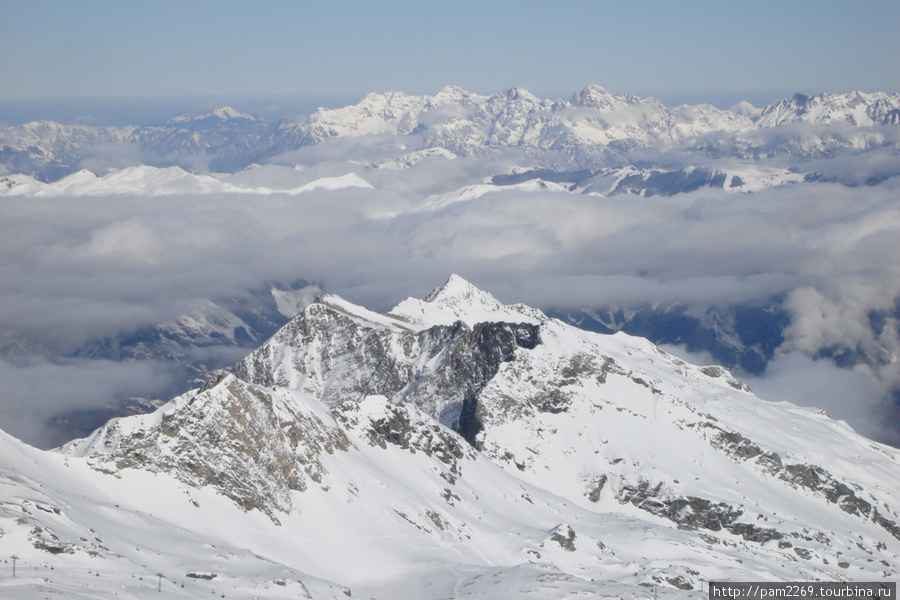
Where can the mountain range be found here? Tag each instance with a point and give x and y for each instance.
(451, 447)
(594, 130)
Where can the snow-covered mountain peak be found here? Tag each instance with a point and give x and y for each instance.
(746, 109)
(449, 94)
(459, 300)
(599, 98)
(594, 89)
(222, 114)
(229, 113)
(350, 180)
(515, 101)
(520, 93)
(592, 128)
(458, 288)
(592, 95)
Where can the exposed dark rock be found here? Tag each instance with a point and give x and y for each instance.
(231, 437)
(573, 177)
(564, 535)
(463, 360)
(594, 494)
(691, 512)
(734, 444)
(752, 533)
(668, 183)
(811, 477)
(892, 526)
(44, 539)
(680, 583)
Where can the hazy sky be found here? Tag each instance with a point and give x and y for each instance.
(674, 50)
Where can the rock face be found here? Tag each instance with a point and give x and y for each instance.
(335, 352)
(458, 416)
(253, 445)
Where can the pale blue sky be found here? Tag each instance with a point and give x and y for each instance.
(676, 50)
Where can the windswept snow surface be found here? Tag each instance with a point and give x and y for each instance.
(327, 464)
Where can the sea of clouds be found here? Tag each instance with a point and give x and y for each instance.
(79, 269)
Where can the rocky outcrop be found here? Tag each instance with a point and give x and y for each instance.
(800, 475)
(252, 445)
(691, 512)
(338, 356)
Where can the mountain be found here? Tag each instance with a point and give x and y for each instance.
(458, 447)
(217, 140)
(854, 108)
(225, 115)
(743, 178)
(593, 128)
(48, 150)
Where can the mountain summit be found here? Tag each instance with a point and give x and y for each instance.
(459, 300)
(459, 447)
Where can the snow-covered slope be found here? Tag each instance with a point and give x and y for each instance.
(744, 177)
(453, 447)
(143, 180)
(471, 192)
(216, 116)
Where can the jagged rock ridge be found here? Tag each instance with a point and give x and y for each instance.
(492, 434)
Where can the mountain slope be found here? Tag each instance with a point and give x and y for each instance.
(504, 376)
(453, 447)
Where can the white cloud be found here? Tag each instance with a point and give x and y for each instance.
(36, 389)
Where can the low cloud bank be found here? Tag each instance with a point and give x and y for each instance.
(36, 390)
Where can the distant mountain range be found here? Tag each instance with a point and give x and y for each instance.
(594, 130)
(453, 447)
